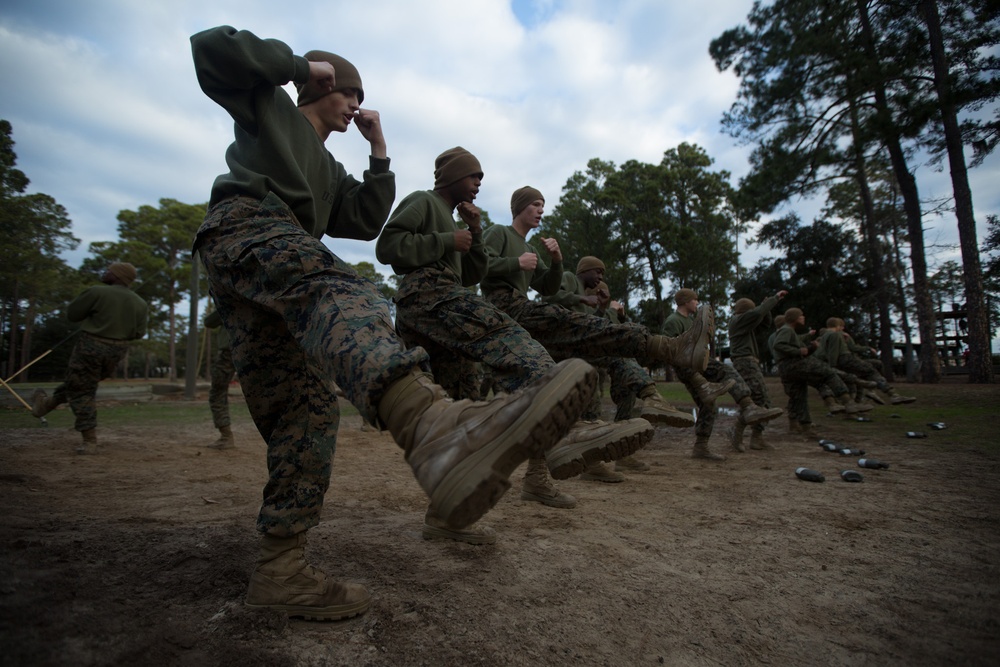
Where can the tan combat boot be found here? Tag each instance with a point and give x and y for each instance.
(852, 408)
(598, 472)
(538, 487)
(832, 405)
(751, 413)
(631, 464)
(736, 435)
(709, 391)
(757, 441)
(284, 581)
(655, 410)
(41, 404)
(701, 450)
(691, 348)
(437, 529)
(591, 442)
(226, 440)
(896, 399)
(463, 452)
(874, 397)
(89, 443)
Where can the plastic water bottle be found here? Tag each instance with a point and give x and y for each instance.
(873, 463)
(828, 442)
(809, 475)
(851, 476)
(916, 434)
(851, 452)
(938, 426)
(830, 446)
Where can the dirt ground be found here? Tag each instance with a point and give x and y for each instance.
(141, 554)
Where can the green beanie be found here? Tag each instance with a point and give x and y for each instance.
(345, 73)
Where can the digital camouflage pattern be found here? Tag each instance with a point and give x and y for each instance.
(450, 321)
(93, 359)
(752, 374)
(301, 321)
(223, 372)
(715, 372)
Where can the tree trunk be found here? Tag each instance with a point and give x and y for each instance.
(980, 364)
(930, 362)
(14, 307)
(872, 244)
(29, 321)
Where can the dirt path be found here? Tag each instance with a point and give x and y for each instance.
(140, 555)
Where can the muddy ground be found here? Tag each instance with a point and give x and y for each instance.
(140, 555)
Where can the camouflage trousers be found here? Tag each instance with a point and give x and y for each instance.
(93, 359)
(850, 381)
(798, 401)
(218, 395)
(457, 328)
(797, 374)
(752, 374)
(716, 372)
(627, 379)
(567, 333)
(863, 369)
(300, 322)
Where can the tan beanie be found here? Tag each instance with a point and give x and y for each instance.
(345, 75)
(454, 165)
(124, 272)
(833, 322)
(684, 295)
(743, 305)
(792, 314)
(587, 263)
(522, 197)
(601, 286)
(779, 321)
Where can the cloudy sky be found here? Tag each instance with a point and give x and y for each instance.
(107, 114)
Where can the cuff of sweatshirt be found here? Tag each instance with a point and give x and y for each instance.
(378, 165)
(301, 71)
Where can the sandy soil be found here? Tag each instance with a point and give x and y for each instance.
(140, 555)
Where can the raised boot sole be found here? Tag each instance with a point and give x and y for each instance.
(477, 483)
(566, 461)
(764, 416)
(675, 418)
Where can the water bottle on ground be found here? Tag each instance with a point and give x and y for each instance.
(851, 452)
(809, 475)
(851, 476)
(915, 434)
(873, 463)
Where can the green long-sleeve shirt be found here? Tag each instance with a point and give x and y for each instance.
(109, 311)
(421, 233)
(745, 328)
(570, 294)
(504, 247)
(676, 324)
(276, 148)
(787, 344)
(832, 344)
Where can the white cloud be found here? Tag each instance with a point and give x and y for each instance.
(107, 114)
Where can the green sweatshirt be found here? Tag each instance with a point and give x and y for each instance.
(277, 149)
(676, 324)
(746, 327)
(421, 233)
(109, 311)
(570, 294)
(504, 247)
(831, 346)
(787, 344)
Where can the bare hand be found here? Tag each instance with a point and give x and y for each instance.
(471, 216)
(369, 124)
(552, 247)
(463, 240)
(782, 294)
(528, 261)
(591, 300)
(323, 74)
